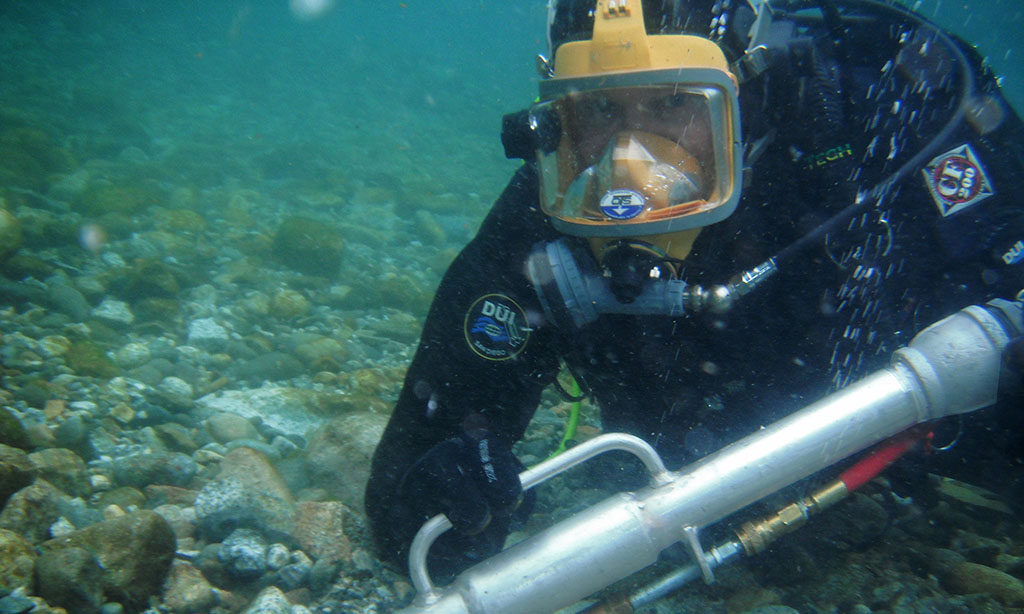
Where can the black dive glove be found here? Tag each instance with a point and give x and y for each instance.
(471, 479)
(1011, 380)
(1011, 316)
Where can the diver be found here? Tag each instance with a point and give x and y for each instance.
(726, 210)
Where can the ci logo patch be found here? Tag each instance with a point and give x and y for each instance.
(496, 327)
(956, 180)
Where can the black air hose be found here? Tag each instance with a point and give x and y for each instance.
(827, 123)
(827, 95)
(967, 89)
(895, 14)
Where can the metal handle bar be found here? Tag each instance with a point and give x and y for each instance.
(427, 593)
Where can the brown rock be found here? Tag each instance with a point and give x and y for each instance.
(320, 530)
(12, 431)
(970, 578)
(16, 472)
(339, 453)
(209, 564)
(17, 558)
(751, 598)
(288, 304)
(181, 524)
(301, 595)
(248, 492)
(123, 497)
(176, 437)
(252, 466)
(187, 591)
(10, 233)
(40, 436)
(232, 602)
(225, 426)
(32, 510)
(62, 468)
(159, 494)
(71, 578)
(135, 551)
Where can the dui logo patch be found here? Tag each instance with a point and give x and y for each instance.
(496, 327)
(956, 180)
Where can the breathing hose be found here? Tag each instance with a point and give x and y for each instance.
(574, 418)
(877, 192)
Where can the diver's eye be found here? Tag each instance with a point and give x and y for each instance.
(673, 101)
(672, 107)
(597, 109)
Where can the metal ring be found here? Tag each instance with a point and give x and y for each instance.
(956, 439)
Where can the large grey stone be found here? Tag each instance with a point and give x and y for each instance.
(65, 299)
(140, 470)
(247, 492)
(225, 426)
(244, 554)
(292, 411)
(270, 601)
(16, 472)
(187, 591)
(71, 578)
(134, 550)
(206, 333)
(32, 510)
(17, 558)
(338, 455)
(62, 468)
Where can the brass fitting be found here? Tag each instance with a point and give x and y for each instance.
(757, 535)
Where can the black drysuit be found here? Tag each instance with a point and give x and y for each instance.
(940, 228)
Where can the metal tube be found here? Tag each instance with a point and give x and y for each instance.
(591, 448)
(627, 531)
(952, 370)
(436, 526)
(426, 593)
(754, 537)
(672, 582)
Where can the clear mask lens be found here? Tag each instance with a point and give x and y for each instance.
(635, 154)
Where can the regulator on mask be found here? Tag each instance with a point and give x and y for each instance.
(632, 279)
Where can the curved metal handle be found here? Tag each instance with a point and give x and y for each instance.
(427, 593)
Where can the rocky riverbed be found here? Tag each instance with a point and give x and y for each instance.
(215, 259)
(214, 462)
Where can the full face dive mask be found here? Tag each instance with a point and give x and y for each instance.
(638, 134)
(637, 144)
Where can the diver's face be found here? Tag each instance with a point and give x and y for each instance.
(679, 117)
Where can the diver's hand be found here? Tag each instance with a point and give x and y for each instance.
(1010, 315)
(470, 478)
(1011, 379)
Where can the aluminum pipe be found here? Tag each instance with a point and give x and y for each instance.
(951, 367)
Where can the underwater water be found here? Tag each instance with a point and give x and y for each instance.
(221, 226)
(988, 25)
